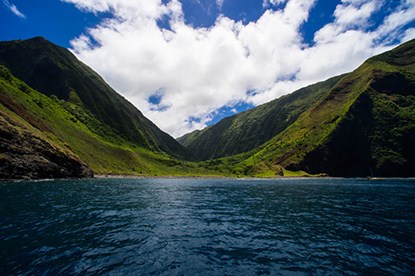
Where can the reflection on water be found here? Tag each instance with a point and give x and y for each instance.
(208, 226)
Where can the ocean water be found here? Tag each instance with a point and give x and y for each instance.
(208, 227)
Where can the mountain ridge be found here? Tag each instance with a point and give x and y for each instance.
(26, 150)
(357, 124)
(44, 137)
(55, 71)
(309, 144)
(246, 130)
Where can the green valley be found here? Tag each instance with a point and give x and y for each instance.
(59, 118)
(71, 132)
(363, 126)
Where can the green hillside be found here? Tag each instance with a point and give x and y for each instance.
(53, 70)
(27, 148)
(250, 129)
(364, 126)
(72, 124)
(377, 134)
(45, 137)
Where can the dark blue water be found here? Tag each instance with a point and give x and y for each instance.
(208, 227)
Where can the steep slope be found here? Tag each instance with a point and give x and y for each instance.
(377, 134)
(25, 151)
(364, 126)
(54, 70)
(248, 130)
(23, 154)
(44, 137)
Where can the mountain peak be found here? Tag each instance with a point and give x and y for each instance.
(55, 71)
(402, 55)
(38, 39)
(358, 124)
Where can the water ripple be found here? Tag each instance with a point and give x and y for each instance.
(208, 227)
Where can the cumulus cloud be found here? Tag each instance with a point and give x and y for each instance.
(193, 72)
(351, 15)
(13, 9)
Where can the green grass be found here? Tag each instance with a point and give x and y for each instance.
(376, 103)
(68, 126)
(320, 128)
(289, 173)
(55, 71)
(248, 130)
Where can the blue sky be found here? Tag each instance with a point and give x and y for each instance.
(60, 22)
(55, 20)
(187, 64)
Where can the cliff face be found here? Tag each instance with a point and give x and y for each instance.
(55, 71)
(360, 124)
(377, 134)
(44, 137)
(23, 154)
(250, 129)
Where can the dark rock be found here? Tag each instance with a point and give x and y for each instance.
(26, 155)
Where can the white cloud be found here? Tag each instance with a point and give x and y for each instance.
(219, 3)
(200, 70)
(267, 3)
(350, 15)
(393, 23)
(13, 9)
(355, 15)
(409, 34)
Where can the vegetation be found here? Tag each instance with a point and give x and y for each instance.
(361, 125)
(74, 124)
(248, 130)
(54, 71)
(73, 130)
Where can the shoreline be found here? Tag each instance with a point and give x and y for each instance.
(248, 177)
(117, 176)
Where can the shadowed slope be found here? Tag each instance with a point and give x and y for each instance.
(248, 130)
(361, 126)
(54, 70)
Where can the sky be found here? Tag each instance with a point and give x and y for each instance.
(186, 64)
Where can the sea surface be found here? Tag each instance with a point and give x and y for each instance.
(208, 227)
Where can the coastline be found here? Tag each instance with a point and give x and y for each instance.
(254, 178)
